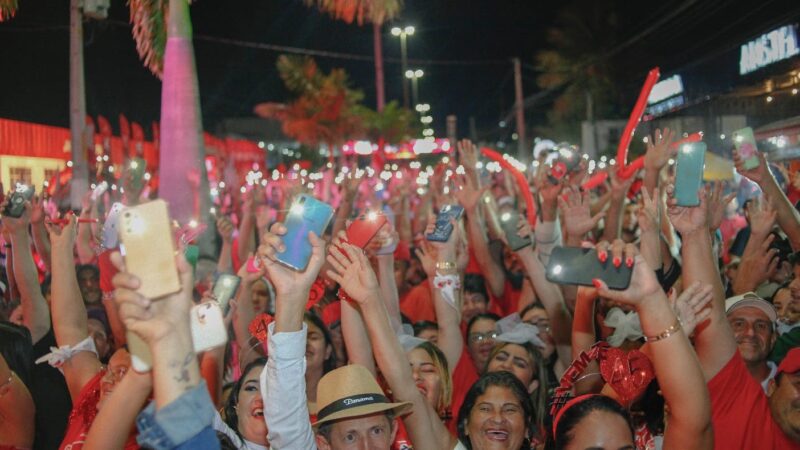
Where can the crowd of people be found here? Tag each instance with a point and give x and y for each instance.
(400, 342)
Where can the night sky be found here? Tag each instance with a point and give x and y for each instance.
(486, 34)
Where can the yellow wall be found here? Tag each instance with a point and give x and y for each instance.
(37, 167)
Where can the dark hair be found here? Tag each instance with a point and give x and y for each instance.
(531, 306)
(577, 412)
(16, 347)
(231, 415)
(81, 267)
(482, 316)
(424, 325)
(330, 362)
(493, 379)
(476, 284)
(539, 398)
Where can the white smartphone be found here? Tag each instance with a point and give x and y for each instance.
(208, 331)
(110, 226)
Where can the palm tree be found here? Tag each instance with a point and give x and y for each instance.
(376, 12)
(163, 33)
(7, 9)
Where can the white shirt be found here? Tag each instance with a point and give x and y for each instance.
(283, 389)
(241, 444)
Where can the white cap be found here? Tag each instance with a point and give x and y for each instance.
(750, 299)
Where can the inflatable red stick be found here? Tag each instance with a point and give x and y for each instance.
(636, 117)
(519, 177)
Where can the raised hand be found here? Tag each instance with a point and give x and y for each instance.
(644, 282)
(37, 209)
(759, 263)
(225, 229)
(352, 271)
(468, 194)
(577, 213)
(426, 258)
(687, 219)
(692, 306)
(762, 216)
(717, 204)
(152, 319)
(285, 280)
(619, 186)
(468, 154)
(658, 149)
(16, 225)
(649, 212)
(758, 174)
(63, 237)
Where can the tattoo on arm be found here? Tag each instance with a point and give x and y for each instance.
(182, 375)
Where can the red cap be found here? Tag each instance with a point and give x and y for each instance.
(332, 313)
(107, 271)
(790, 363)
(402, 252)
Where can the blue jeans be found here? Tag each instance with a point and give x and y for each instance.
(183, 424)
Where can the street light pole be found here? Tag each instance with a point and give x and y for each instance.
(403, 34)
(414, 76)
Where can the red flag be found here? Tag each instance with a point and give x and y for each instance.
(124, 128)
(90, 121)
(138, 139)
(104, 126)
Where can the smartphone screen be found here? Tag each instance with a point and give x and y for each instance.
(689, 173)
(306, 214)
(575, 265)
(444, 227)
(509, 221)
(745, 143)
(225, 289)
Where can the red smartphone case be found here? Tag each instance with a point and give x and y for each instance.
(364, 228)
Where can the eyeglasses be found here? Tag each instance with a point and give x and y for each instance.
(480, 337)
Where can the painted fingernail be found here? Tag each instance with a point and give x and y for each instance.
(629, 261)
(617, 262)
(603, 256)
(597, 284)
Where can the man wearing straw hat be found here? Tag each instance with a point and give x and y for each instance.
(353, 411)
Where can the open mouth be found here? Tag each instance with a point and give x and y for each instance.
(422, 389)
(258, 412)
(497, 435)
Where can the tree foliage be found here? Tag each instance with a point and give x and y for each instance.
(7, 9)
(360, 11)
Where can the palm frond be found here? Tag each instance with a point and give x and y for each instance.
(360, 11)
(7, 9)
(148, 18)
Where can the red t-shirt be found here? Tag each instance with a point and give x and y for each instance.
(740, 412)
(83, 414)
(417, 304)
(464, 376)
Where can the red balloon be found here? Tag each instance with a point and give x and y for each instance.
(519, 177)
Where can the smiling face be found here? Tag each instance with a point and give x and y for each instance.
(754, 333)
(480, 341)
(515, 358)
(426, 376)
(374, 432)
(784, 402)
(496, 421)
(118, 366)
(250, 408)
(601, 430)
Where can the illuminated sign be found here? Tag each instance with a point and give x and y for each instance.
(769, 48)
(665, 89)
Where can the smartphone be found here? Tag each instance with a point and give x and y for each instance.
(208, 327)
(99, 190)
(306, 214)
(689, 173)
(146, 244)
(444, 227)
(253, 265)
(745, 143)
(111, 225)
(575, 265)
(509, 221)
(364, 228)
(225, 289)
(16, 204)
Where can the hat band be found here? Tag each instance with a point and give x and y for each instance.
(351, 402)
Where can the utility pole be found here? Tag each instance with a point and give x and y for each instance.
(77, 107)
(522, 147)
(403, 34)
(377, 41)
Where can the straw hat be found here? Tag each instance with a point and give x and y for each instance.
(351, 391)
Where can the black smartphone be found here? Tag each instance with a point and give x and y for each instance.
(16, 204)
(444, 227)
(509, 221)
(575, 265)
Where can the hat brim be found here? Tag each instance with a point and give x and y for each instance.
(399, 409)
(761, 305)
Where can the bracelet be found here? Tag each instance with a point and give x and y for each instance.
(676, 327)
(445, 265)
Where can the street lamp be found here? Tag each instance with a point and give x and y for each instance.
(403, 33)
(414, 76)
(423, 107)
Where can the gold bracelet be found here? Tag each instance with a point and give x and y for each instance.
(676, 327)
(445, 265)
